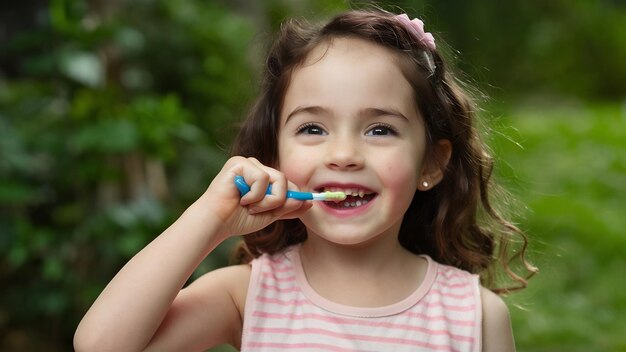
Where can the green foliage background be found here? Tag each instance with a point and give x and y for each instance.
(115, 115)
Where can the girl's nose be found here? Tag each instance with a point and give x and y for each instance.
(344, 154)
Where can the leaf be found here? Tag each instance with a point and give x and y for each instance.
(83, 67)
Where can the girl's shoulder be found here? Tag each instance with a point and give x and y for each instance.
(496, 323)
(236, 279)
(495, 319)
(453, 277)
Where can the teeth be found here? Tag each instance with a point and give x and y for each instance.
(358, 203)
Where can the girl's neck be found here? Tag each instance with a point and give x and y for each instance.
(334, 258)
(382, 272)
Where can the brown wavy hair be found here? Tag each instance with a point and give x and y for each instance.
(454, 222)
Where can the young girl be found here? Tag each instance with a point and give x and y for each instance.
(366, 106)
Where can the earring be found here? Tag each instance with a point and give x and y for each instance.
(425, 184)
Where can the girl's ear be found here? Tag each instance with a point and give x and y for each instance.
(435, 165)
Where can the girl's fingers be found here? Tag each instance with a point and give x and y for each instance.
(256, 209)
(279, 189)
(258, 180)
(274, 204)
(273, 200)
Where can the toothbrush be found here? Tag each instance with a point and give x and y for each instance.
(243, 188)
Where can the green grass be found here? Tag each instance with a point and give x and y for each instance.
(569, 170)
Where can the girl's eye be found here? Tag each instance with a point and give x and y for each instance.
(382, 130)
(311, 128)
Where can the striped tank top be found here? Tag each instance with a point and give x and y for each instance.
(283, 312)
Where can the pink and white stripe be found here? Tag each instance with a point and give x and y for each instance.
(284, 313)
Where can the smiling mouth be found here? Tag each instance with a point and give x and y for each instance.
(354, 197)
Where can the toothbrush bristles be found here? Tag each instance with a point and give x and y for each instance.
(334, 195)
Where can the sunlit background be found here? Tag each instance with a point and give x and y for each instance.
(115, 116)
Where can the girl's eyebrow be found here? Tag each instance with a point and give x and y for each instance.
(314, 110)
(367, 112)
(386, 111)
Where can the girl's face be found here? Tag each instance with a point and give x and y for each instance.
(349, 123)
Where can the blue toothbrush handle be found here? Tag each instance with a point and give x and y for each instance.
(300, 195)
(243, 188)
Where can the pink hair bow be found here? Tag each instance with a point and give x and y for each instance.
(416, 27)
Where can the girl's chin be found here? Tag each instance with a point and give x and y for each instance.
(348, 241)
(345, 234)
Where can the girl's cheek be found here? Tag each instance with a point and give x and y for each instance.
(290, 172)
(294, 169)
(399, 177)
(400, 172)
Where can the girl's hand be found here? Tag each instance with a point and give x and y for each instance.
(254, 211)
